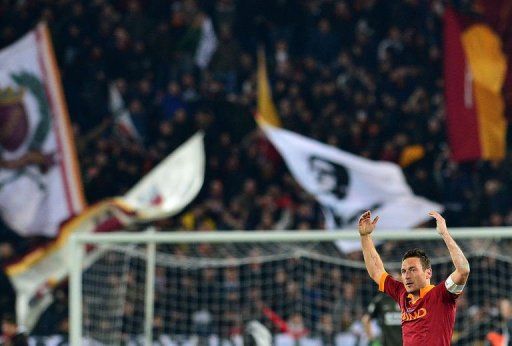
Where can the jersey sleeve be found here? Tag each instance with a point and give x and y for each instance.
(391, 287)
(446, 295)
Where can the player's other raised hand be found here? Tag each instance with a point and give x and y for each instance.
(440, 222)
(366, 225)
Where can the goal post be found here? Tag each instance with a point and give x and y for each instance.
(312, 269)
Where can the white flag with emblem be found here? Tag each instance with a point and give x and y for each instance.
(40, 185)
(346, 185)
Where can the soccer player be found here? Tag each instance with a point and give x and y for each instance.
(428, 311)
(389, 318)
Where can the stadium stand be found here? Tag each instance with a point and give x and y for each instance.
(362, 75)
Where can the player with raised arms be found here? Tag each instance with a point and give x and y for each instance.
(428, 311)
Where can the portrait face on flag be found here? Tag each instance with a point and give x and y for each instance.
(332, 178)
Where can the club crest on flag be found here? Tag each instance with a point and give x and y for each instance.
(14, 116)
(14, 119)
(16, 139)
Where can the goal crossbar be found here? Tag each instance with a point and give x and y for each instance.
(277, 236)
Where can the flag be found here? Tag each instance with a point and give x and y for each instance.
(40, 184)
(207, 43)
(123, 122)
(267, 112)
(346, 185)
(475, 70)
(37, 273)
(163, 192)
(410, 154)
(170, 186)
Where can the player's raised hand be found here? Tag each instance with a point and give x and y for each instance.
(366, 225)
(440, 222)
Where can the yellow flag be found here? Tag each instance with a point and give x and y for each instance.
(488, 68)
(484, 52)
(267, 112)
(411, 154)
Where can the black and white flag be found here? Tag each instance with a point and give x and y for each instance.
(346, 185)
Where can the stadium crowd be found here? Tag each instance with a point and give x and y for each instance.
(361, 75)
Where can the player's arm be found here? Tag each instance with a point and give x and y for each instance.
(372, 259)
(461, 273)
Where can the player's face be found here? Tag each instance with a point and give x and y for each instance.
(414, 277)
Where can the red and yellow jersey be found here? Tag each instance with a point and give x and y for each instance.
(427, 321)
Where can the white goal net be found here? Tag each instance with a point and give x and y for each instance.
(298, 286)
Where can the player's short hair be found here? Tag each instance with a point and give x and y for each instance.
(419, 253)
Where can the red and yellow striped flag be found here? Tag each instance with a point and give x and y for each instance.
(475, 69)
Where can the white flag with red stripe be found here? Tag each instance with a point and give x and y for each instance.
(171, 185)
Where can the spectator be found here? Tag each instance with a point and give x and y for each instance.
(389, 317)
(13, 335)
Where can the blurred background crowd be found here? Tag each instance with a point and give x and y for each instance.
(362, 75)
